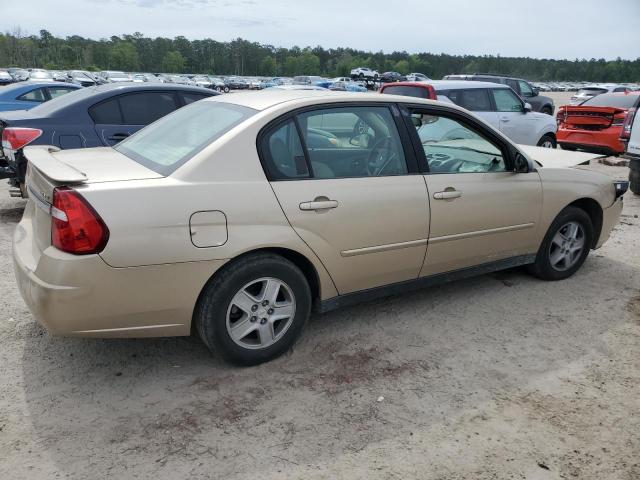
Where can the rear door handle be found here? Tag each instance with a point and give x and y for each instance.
(318, 204)
(447, 195)
(117, 137)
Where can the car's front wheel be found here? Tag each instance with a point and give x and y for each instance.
(254, 310)
(547, 141)
(565, 246)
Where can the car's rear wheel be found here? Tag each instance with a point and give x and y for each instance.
(547, 141)
(254, 310)
(565, 246)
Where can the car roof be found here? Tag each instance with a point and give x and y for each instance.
(265, 99)
(454, 84)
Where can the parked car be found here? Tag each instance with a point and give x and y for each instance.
(364, 73)
(590, 91)
(39, 75)
(312, 80)
(81, 77)
(5, 78)
(236, 83)
(214, 219)
(388, 77)
(630, 137)
(18, 74)
(342, 79)
(58, 76)
(297, 87)
(349, 86)
(417, 77)
(528, 92)
(596, 124)
(26, 95)
(218, 84)
(110, 76)
(495, 103)
(91, 117)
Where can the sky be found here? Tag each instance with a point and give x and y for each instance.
(535, 28)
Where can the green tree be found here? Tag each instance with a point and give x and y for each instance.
(268, 66)
(123, 56)
(173, 62)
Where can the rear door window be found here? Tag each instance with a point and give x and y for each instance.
(58, 91)
(146, 107)
(476, 100)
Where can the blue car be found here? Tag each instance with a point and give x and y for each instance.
(26, 95)
(98, 116)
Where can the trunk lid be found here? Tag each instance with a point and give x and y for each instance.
(590, 118)
(49, 167)
(556, 158)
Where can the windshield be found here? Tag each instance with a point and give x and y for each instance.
(169, 142)
(612, 100)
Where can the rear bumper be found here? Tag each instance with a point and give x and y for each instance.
(601, 141)
(610, 218)
(83, 296)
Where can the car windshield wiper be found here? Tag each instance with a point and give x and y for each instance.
(467, 149)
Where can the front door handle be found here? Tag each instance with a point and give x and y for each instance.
(447, 195)
(320, 203)
(504, 119)
(118, 137)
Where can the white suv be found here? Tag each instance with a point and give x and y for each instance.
(364, 72)
(495, 103)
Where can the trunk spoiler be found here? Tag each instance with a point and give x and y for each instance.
(42, 158)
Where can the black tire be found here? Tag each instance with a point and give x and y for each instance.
(361, 76)
(569, 148)
(546, 139)
(226, 89)
(634, 179)
(542, 267)
(547, 109)
(210, 315)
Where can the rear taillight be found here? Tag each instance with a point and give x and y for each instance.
(618, 120)
(561, 116)
(15, 138)
(75, 226)
(625, 134)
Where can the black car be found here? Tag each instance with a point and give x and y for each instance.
(527, 92)
(98, 116)
(388, 77)
(236, 83)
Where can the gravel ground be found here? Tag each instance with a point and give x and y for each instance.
(497, 377)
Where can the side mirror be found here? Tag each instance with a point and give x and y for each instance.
(521, 164)
(536, 91)
(527, 107)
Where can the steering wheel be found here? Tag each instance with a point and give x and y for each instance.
(377, 161)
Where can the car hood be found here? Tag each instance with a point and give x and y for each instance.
(557, 158)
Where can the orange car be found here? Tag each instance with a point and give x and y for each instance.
(595, 125)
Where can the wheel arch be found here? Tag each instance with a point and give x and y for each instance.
(297, 258)
(592, 208)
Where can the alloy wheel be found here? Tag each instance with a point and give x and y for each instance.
(260, 313)
(567, 246)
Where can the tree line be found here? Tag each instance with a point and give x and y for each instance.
(241, 57)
